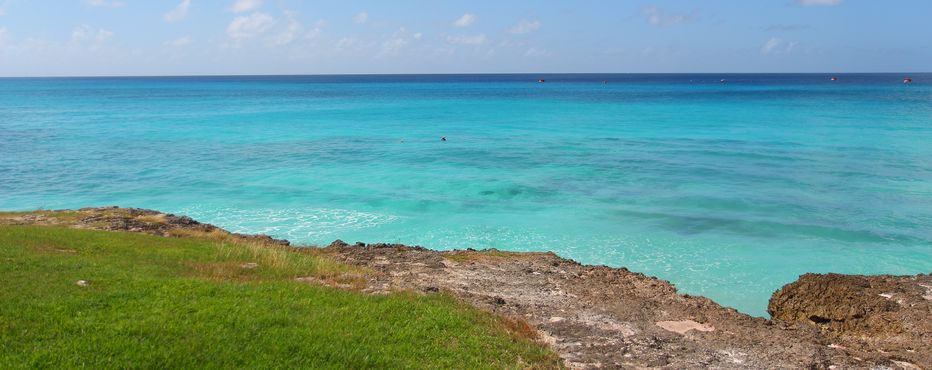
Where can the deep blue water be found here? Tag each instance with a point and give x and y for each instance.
(727, 190)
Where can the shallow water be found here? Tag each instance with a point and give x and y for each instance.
(727, 190)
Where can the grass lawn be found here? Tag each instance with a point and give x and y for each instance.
(153, 302)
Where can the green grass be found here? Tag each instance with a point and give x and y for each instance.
(157, 302)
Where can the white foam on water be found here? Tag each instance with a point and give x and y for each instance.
(299, 225)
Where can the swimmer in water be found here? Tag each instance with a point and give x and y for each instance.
(443, 138)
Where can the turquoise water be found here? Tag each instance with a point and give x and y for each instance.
(727, 190)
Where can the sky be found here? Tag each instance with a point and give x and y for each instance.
(230, 37)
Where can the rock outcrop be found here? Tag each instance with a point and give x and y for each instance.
(866, 315)
(603, 317)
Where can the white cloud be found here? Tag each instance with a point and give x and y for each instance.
(179, 13)
(85, 33)
(535, 52)
(346, 43)
(245, 27)
(467, 40)
(240, 6)
(465, 21)
(777, 46)
(393, 45)
(443, 51)
(103, 35)
(399, 40)
(662, 18)
(510, 43)
(289, 34)
(318, 28)
(81, 33)
(361, 18)
(818, 2)
(179, 42)
(525, 27)
(105, 3)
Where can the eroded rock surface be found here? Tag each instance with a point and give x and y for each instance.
(864, 314)
(601, 317)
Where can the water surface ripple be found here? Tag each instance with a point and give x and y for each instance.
(727, 190)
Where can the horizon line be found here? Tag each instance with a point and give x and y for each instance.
(459, 74)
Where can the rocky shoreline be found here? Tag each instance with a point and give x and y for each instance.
(603, 317)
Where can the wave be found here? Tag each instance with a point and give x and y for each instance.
(295, 224)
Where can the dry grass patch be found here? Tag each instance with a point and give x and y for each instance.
(41, 217)
(230, 270)
(347, 281)
(113, 212)
(216, 234)
(153, 219)
(269, 258)
(520, 328)
(8, 215)
(53, 249)
(489, 255)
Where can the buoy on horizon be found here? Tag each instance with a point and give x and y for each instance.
(834, 78)
(540, 81)
(907, 80)
(723, 81)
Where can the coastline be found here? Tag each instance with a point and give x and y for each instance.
(597, 316)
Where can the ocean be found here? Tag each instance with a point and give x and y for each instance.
(728, 190)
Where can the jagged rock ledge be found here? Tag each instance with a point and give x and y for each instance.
(603, 317)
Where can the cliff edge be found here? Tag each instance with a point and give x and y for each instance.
(604, 317)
